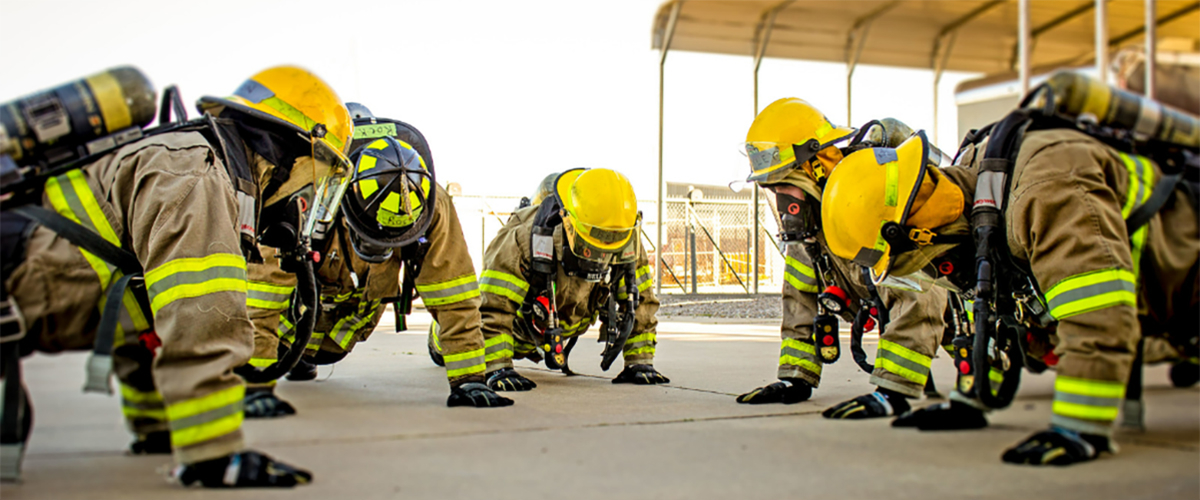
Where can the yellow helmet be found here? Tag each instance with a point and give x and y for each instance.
(601, 215)
(544, 190)
(292, 99)
(788, 134)
(881, 202)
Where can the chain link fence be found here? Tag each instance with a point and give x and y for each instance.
(707, 244)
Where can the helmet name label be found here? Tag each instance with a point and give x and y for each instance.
(374, 130)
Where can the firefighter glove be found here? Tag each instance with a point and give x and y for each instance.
(154, 443)
(951, 416)
(881, 403)
(1057, 446)
(507, 379)
(247, 469)
(264, 404)
(477, 395)
(787, 391)
(641, 375)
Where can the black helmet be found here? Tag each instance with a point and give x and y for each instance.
(391, 196)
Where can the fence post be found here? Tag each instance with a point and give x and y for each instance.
(692, 242)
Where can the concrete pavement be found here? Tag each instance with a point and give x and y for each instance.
(376, 426)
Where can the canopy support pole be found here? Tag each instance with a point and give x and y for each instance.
(662, 63)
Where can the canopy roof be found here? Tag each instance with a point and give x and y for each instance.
(981, 34)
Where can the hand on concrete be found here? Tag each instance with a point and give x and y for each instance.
(264, 404)
(641, 375)
(786, 391)
(951, 416)
(247, 469)
(507, 379)
(477, 395)
(874, 405)
(1056, 446)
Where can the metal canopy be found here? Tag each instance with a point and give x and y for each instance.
(960, 35)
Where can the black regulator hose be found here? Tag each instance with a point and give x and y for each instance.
(306, 289)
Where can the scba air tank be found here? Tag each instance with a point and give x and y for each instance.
(77, 118)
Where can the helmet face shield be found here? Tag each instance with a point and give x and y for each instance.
(331, 176)
(601, 245)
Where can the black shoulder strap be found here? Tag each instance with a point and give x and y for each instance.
(1158, 197)
(83, 238)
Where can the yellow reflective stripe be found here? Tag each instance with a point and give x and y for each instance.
(640, 350)
(57, 199)
(905, 352)
(91, 207)
(449, 292)
(464, 355)
(498, 347)
(800, 276)
(499, 339)
(503, 284)
(267, 296)
(194, 277)
(1083, 411)
(648, 336)
(1092, 291)
(259, 286)
(803, 363)
(1090, 388)
(800, 346)
(891, 195)
(135, 396)
(1141, 176)
(903, 371)
(152, 413)
(207, 417)
(298, 117)
(466, 363)
(261, 362)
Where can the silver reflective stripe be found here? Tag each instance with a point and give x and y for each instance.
(990, 190)
(791, 351)
(902, 361)
(209, 416)
(1089, 291)
(1083, 426)
(464, 363)
(1067, 397)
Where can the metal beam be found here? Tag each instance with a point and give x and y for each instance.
(662, 61)
(762, 36)
(855, 44)
(1054, 23)
(1101, 38)
(943, 43)
(1023, 44)
(1151, 46)
(1159, 22)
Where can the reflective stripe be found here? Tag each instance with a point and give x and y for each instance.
(298, 117)
(503, 284)
(141, 404)
(642, 279)
(267, 296)
(891, 194)
(1092, 291)
(1087, 399)
(498, 347)
(285, 328)
(1141, 187)
(261, 362)
(449, 292)
(207, 417)
(345, 327)
(642, 343)
(800, 276)
(194, 277)
(67, 194)
(466, 363)
(581, 326)
(903, 361)
(314, 342)
(797, 353)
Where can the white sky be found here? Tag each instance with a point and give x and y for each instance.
(505, 91)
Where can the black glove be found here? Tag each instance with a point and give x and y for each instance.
(303, 371)
(477, 395)
(1185, 374)
(787, 391)
(154, 443)
(264, 404)
(247, 469)
(1057, 446)
(951, 416)
(881, 403)
(641, 375)
(507, 379)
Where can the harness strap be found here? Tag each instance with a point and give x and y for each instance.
(83, 238)
(99, 364)
(16, 417)
(1158, 197)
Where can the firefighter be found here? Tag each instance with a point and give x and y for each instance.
(792, 149)
(550, 272)
(173, 201)
(1065, 208)
(394, 217)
